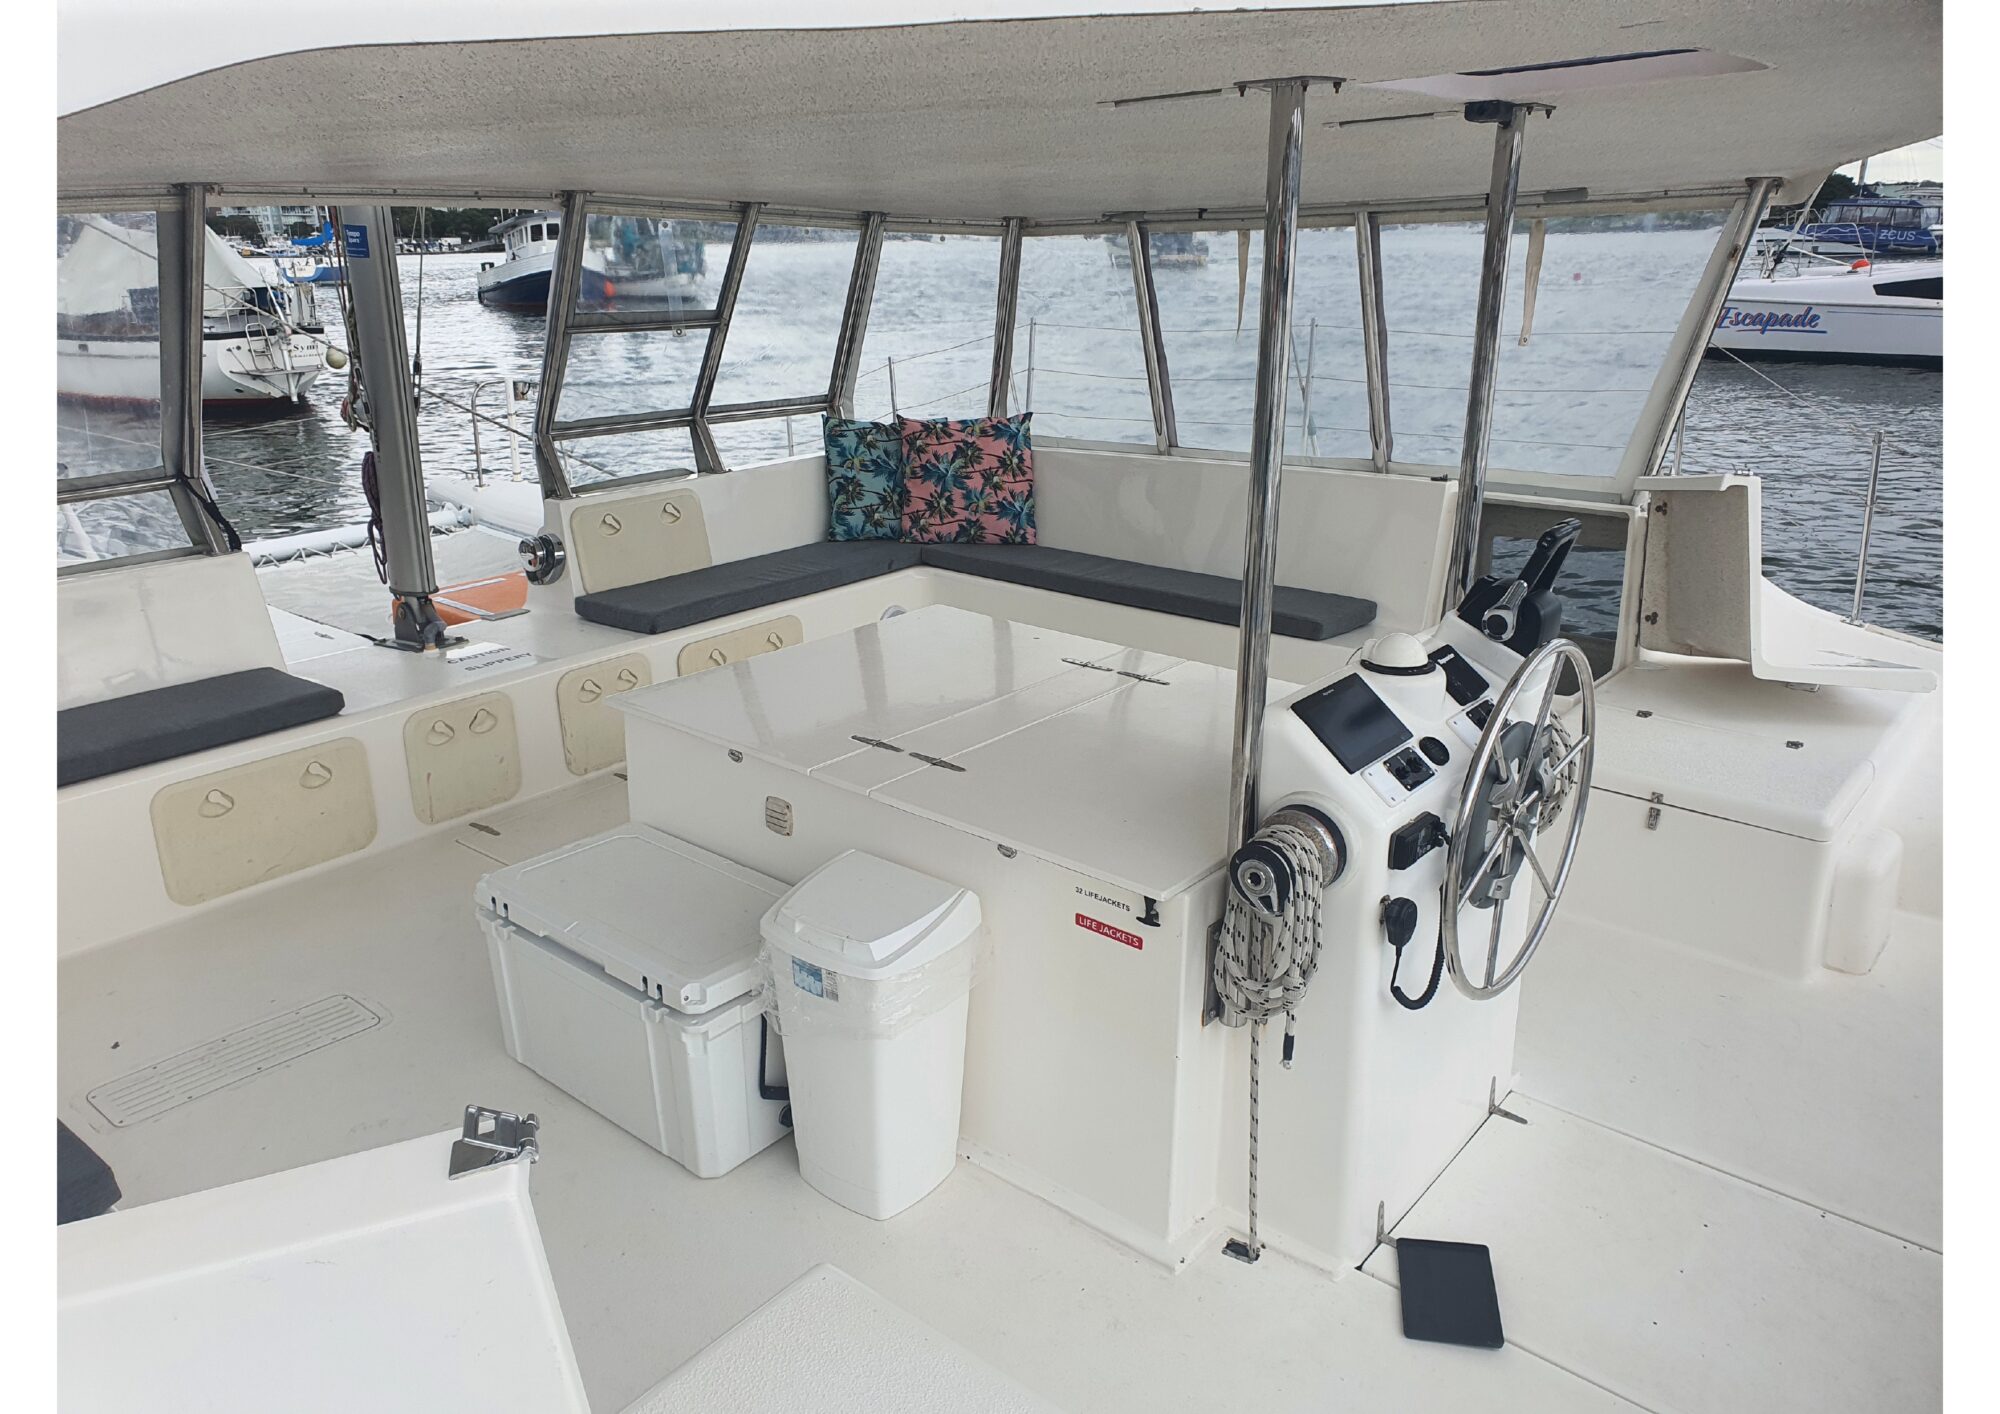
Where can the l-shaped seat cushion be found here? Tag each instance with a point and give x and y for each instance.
(698, 596)
(100, 738)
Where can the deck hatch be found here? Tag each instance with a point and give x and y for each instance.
(227, 1060)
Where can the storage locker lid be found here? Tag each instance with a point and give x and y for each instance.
(658, 914)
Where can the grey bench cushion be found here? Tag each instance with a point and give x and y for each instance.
(85, 1185)
(662, 605)
(99, 738)
(1296, 613)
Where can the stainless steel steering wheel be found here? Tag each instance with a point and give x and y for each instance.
(1522, 777)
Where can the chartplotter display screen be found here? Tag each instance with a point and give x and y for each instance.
(1352, 722)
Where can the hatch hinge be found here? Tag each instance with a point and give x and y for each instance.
(492, 1138)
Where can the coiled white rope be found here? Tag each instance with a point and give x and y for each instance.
(1264, 964)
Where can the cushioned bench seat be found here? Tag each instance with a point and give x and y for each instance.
(662, 605)
(99, 738)
(1296, 613)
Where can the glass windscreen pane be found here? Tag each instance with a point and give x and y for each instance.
(667, 452)
(1430, 292)
(1611, 293)
(1211, 340)
(116, 526)
(621, 371)
(787, 318)
(933, 320)
(647, 265)
(768, 439)
(107, 344)
(1079, 364)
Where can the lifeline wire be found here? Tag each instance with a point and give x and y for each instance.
(1263, 966)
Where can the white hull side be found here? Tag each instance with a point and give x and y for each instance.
(232, 371)
(1801, 328)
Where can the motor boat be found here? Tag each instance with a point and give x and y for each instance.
(1158, 924)
(627, 261)
(1887, 312)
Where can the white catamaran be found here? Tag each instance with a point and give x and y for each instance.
(1089, 896)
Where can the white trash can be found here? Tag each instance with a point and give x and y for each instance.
(868, 969)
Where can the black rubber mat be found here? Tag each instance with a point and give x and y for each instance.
(1448, 1292)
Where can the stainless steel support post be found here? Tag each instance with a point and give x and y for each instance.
(1867, 529)
(1005, 306)
(854, 318)
(894, 411)
(1374, 337)
(1502, 193)
(183, 246)
(1158, 386)
(565, 282)
(1267, 449)
(707, 459)
(368, 235)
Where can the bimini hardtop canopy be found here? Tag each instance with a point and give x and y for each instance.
(1019, 117)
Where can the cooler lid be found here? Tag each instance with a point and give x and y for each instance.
(867, 917)
(663, 916)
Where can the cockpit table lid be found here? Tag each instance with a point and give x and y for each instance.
(660, 915)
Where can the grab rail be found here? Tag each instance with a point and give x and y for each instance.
(1867, 529)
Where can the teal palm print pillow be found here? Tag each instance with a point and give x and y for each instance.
(864, 480)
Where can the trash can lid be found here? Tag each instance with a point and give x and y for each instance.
(861, 915)
(663, 916)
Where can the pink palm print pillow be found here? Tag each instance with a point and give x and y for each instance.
(969, 482)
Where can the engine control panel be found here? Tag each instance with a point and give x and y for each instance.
(1394, 1064)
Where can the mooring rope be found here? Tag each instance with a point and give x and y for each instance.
(1263, 966)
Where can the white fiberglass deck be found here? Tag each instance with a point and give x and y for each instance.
(652, 1264)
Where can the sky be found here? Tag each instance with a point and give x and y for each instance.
(1919, 162)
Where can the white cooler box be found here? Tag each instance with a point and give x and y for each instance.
(626, 966)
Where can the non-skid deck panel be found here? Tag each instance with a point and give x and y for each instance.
(228, 1060)
(1062, 1310)
(1828, 1091)
(1681, 1288)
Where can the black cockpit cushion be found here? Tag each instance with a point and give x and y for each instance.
(100, 738)
(85, 1187)
(699, 596)
(1296, 613)
(662, 605)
